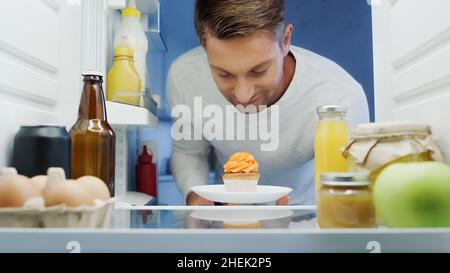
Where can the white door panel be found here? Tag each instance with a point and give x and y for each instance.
(31, 28)
(417, 26)
(29, 47)
(39, 65)
(412, 63)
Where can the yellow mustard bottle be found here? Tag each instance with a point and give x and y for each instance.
(123, 83)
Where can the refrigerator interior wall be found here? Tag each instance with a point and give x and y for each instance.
(128, 121)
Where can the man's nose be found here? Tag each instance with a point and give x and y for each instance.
(244, 92)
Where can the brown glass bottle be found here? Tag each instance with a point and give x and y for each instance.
(93, 139)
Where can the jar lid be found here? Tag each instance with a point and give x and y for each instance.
(344, 179)
(329, 109)
(386, 129)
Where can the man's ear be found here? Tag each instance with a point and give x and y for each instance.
(286, 39)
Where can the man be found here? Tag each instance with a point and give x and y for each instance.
(246, 61)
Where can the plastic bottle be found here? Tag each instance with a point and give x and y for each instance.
(137, 40)
(123, 83)
(146, 174)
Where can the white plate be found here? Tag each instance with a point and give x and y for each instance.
(240, 215)
(263, 194)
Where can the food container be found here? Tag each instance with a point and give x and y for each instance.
(345, 200)
(52, 201)
(36, 148)
(34, 214)
(374, 146)
(331, 134)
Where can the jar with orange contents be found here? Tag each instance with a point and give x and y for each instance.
(345, 201)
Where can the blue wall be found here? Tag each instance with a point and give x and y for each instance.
(337, 29)
(178, 34)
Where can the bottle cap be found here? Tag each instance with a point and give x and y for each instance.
(123, 49)
(145, 157)
(331, 109)
(131, 10)
(92, 73)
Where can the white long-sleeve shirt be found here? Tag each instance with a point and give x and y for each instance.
(317, 81)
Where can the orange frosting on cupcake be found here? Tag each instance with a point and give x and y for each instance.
(241, 162)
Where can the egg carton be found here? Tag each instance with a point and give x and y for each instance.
(34, 214)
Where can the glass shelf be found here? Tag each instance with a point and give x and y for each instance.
(120, 114)
(241, 229)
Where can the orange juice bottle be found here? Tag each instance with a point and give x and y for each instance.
(332, 133)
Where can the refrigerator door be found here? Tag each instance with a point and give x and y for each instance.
(412, 63)
(39, 66)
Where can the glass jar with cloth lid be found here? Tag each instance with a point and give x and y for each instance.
(374, 146)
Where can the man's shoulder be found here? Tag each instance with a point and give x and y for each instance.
(195, 57)
(191, 76)
(314, 60)
(321, 68)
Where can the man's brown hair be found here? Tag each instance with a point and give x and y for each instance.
(227, 19)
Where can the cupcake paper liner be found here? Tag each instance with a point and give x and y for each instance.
(239, 185)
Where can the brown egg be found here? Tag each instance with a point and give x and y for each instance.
(96, 187)
(67, 192)
(15, 190)
(59, 191)
(39, 181)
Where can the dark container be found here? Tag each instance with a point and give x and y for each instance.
(37, 148)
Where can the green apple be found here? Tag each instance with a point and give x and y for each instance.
(414, 195)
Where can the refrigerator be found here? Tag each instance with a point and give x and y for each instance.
(43, 54)
(44, 46)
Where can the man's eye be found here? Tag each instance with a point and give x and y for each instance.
(258, 72)
(224, 75)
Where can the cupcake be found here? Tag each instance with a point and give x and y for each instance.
(241, 173)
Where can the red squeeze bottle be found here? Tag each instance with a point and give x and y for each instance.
(146, 174)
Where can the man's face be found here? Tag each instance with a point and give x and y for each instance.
(248, 70)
